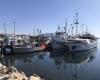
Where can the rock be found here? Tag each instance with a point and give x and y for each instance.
(11, 69)
(2, 66)
(11, 73)
(22, 73)
(17, 76)
(3, 77)
(35, 77)
(3, 70)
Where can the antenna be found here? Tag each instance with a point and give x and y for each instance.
(76, 23)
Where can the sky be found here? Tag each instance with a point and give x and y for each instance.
(48, 14)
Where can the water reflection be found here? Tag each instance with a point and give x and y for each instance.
(74, 59)
(54, 65)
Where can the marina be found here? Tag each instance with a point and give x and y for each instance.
(66, 54)
(58, 56)
(49, 40)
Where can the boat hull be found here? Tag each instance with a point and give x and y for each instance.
(22, 50)
(57, 45)
(81, 46)
(74, 46)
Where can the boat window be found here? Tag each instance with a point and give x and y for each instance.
(59, 33)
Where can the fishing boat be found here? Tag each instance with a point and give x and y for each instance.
(74, 43)
(58, 40)
(7, 50)
(81, 42)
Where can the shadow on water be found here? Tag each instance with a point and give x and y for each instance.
(53, 65)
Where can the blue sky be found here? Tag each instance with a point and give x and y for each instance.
(47, 14)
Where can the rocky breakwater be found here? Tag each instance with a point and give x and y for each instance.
(11, 73)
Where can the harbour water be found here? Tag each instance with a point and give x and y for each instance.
(57, 65)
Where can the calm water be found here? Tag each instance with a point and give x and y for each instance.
(55, 65)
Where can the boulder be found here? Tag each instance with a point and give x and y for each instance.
(35, 77)
(11, 73)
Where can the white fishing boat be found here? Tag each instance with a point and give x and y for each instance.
(81, 42)
(74, 43)
(58, 40)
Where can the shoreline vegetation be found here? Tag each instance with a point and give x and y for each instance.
(11, 73)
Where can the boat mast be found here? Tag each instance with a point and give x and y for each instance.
(66, 26)
(58, 27)
(5, 29)
(40, 32)
(66, 34)
(82, 29)
(76, 22)
(14, 31)
(72, 30)
(34, 32)
(86, 29)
